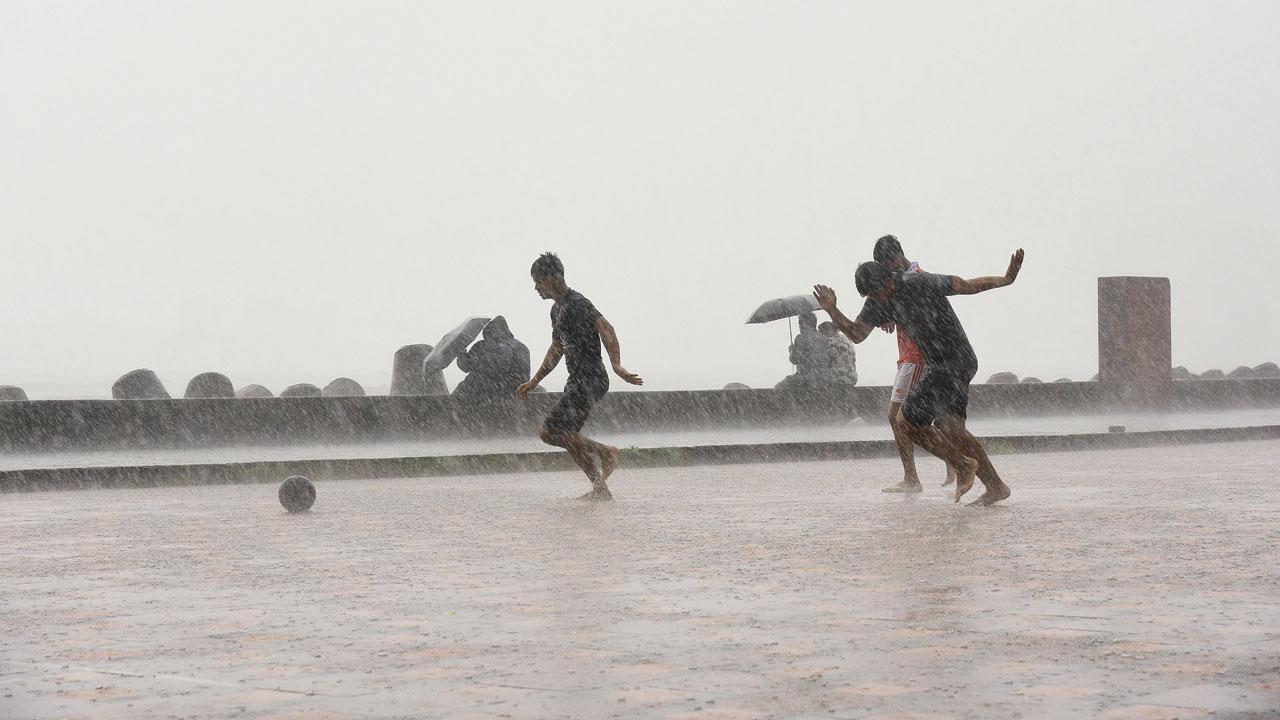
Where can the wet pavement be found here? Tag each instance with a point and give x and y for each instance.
(1137, 584)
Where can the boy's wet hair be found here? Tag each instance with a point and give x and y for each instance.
(548, 263)
(870, 277)
(886, 249)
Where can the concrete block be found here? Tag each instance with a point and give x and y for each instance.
(301, 390)
(140, 384)
(343, 387)
(210, 385)
(408, 376)
(1135, 339)
(253, 391)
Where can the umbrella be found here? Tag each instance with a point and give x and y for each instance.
(453, 343)
(783, 307)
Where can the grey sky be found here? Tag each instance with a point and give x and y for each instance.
(288, 192)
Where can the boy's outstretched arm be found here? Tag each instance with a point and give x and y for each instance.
(960, 286)
(609, 339)
(856, 330)
(549, 363)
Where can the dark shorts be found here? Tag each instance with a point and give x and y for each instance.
(570, 414)
(942, 392)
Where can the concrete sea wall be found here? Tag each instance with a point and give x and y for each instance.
(54, 425)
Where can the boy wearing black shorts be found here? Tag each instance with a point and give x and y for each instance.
(577, 331)
(934, 412)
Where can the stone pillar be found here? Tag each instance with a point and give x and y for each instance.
(301, 390)
(1135, 340)
(140, 384)
(253, 391)
(210, 385)
(408, 376)
(343, 387)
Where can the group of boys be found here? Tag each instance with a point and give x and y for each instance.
(930, 397)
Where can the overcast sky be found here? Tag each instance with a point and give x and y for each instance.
(289, 191)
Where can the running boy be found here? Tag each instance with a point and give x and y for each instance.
(577, 330)
(888, 252)
(918, 302)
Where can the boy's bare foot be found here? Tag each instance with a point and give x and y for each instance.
(993, 495)
(964, 477)
(906, 486)
(597, 494)
(608, 462)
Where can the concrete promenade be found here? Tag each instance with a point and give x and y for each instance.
(1124, 584)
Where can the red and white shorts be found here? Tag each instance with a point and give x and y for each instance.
(908, 375)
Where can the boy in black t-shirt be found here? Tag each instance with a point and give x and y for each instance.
(935, 410)
(577, 331)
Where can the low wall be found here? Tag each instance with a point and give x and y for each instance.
(53, 425)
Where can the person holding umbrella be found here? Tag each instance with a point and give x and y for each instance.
(917, 302)
(577, 331)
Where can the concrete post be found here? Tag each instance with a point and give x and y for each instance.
(343, 387)
(301, 390)
(408, 377)
(1135, 340)
(140, 384)
(210, 385)
(253, 391)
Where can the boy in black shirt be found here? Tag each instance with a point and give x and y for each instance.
(917, 302)
(577, 330)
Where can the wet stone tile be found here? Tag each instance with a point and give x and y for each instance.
(1114, 584)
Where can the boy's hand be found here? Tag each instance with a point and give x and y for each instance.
(825, 296)
(524, 390)
(630, 377)
(1015, 266)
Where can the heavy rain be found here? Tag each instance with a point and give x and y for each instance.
(639, 360)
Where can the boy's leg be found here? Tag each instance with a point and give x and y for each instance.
(951, 475)
(584, 455)
(910, 480)
(996, 489)
(930, 399)
(954, 407)
(945, 447)
(562, 429)
(906, 378)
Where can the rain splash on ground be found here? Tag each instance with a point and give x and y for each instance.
(1118, 584)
